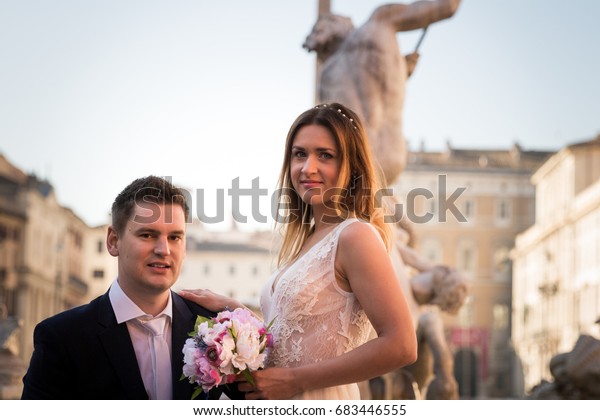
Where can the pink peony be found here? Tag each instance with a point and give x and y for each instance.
(207, 375)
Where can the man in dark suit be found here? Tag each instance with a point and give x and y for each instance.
(109, 348)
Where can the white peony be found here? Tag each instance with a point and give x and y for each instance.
(226, 356)
(247, 355)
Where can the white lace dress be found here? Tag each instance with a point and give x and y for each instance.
(315, 319)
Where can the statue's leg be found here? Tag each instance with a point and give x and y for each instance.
(444, 385)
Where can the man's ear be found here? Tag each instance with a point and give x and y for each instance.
(112, 238)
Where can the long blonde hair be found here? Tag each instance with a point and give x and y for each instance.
(358, 181)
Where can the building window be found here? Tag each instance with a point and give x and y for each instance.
(255, 271)
(47, 250)
(467, 257)
(526, 313)
(469, 209)
(465, 314)
(206, 269)
(432, 250)
(3, 232)
(503, 211)
(466, 261)
(232, 270)
(100, 247)
(7, 296)
(98, 274)
(501, 267)
(76, 238)
(500, 316)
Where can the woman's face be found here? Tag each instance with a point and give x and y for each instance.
(315, 165)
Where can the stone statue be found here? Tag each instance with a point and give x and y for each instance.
(12, 368)
(576, 374)
(364, 69)
(434, 288)
(430, 290)
(439, 285)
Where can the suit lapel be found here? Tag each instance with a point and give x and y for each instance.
(119, 350)
(115, 336)
(182, 325)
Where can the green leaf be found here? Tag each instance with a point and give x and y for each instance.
(183, 377)
(271, 323)
(200, 320)
(233, 334)
(197, 392)
(248, 377)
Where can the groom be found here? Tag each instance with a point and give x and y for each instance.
(110, 348)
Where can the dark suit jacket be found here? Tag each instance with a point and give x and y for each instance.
(83, 353)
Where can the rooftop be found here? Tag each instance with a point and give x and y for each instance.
(514, 159)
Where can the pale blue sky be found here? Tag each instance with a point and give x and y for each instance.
(96, 93)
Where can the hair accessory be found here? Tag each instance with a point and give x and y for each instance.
(340, 112)
(350, 119)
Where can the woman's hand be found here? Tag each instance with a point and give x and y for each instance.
(210, 300)
(270, 384)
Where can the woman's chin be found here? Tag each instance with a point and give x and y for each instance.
(312, 198)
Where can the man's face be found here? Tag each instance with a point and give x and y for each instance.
(151, 249)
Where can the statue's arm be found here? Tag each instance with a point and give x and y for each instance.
(420, 14)
(412, 258)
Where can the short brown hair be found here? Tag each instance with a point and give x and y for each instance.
(150, 189)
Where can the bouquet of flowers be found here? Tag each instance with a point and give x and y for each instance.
(220, 348)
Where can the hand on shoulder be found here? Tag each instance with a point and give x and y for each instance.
(210, 300)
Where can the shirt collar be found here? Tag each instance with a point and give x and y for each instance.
(126, 310)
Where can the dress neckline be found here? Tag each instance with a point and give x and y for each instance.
(300, 257)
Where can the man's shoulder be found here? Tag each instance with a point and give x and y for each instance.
(73, 317)
(195, 308)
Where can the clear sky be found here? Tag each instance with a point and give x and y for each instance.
(94, 94)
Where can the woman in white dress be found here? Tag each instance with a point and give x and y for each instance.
(335, 278)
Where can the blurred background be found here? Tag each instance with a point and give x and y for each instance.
(96, 94)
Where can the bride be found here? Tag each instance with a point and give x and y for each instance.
(335, 278)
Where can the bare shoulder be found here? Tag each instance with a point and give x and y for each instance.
(359, 236)
(362, 254)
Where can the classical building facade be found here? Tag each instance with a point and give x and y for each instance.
(12, 228)
(556, 262)
(466, 208)
(231, 263)
(44, 269)
(99, 266)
